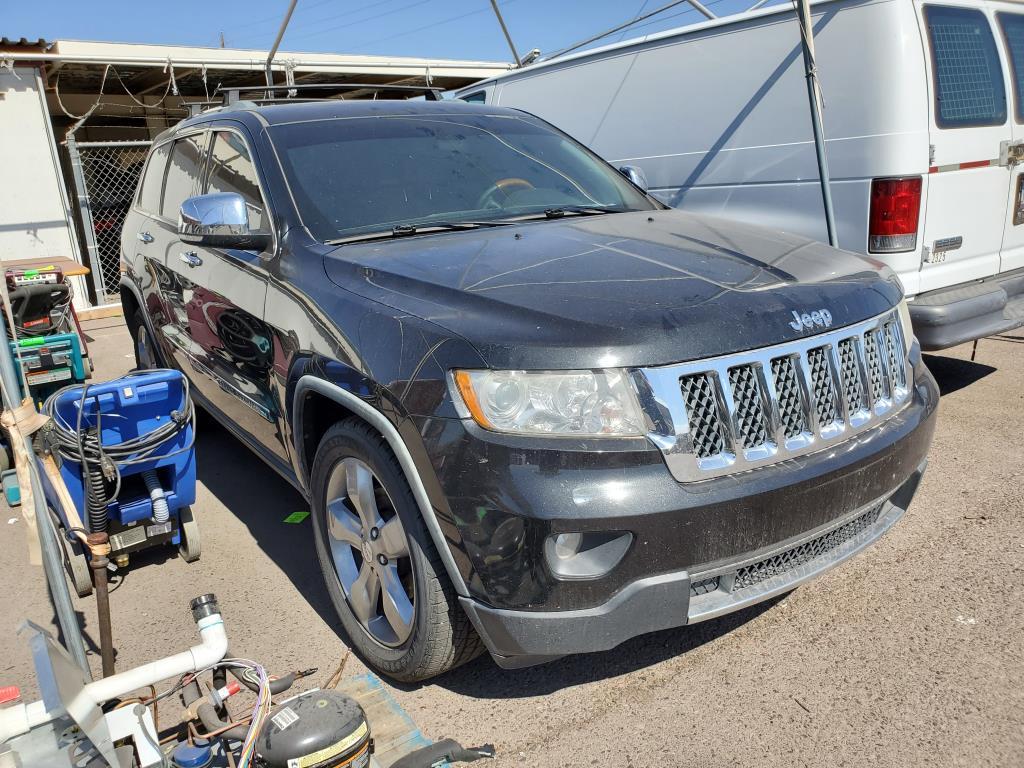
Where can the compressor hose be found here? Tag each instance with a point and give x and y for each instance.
(101, 464)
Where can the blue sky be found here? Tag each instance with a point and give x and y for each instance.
(437, 28)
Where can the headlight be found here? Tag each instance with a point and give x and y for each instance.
(907, 327)
(571, 403)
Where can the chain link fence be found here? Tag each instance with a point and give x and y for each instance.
(106, 175)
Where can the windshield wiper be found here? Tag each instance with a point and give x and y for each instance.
(580, 210)
(421, 228)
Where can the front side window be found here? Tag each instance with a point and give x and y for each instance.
(152, 182)
(232, 170)
(370, 174)
(182, 174)
(969, 88)
(1013, 33)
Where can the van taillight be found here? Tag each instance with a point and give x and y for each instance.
(895, 206)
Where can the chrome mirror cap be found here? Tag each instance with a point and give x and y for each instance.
(220, 220)
(635, 174)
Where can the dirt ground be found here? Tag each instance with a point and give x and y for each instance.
(908, 655)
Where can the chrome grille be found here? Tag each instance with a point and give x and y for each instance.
(733, 413)
(751, 423)
(879, 384)
(787, 394)
(894, 351)
(823, 386)
(853, 387)
(705, 426)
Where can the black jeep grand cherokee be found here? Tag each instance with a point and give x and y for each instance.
(532, 409)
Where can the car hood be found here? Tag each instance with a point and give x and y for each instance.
(626, 289)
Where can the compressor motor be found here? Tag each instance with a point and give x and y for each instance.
(317, 729)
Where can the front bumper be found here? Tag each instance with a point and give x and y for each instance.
(524, 638)
(699, 549)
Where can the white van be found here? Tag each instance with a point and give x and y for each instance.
(924, 121)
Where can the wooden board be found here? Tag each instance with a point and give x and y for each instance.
(69, 267)
(394, 732)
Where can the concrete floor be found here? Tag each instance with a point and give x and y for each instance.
(910, 654)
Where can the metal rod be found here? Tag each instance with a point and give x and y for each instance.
(277, 41)
(58, 586)
(508, 37)
(99, 548)
(701, 9)
(813, 93)
(757, 5)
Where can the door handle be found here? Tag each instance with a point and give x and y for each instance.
(191, 258)
(144, 237)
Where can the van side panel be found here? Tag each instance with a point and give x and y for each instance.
(718, 116)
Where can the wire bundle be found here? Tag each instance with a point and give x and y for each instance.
(256, 674)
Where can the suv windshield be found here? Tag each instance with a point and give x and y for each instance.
(379, 174)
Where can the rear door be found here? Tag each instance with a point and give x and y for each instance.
(968, 188)
(1010, 20)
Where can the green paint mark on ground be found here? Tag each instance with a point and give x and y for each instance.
(297, 517)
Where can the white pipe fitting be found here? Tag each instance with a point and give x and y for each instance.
(210, 651)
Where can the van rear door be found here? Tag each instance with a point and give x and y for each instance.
(968, 189)
(1010, 24)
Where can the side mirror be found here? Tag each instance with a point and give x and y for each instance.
(635, 174)
(219, 220)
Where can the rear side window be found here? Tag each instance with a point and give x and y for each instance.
(152, 182)
(969, 88)
(480, 97)
(1013, 32)
(232, 170)
(182, 174)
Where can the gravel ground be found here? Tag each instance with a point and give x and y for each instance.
(910, 654)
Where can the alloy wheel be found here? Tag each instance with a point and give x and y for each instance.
(370, 552)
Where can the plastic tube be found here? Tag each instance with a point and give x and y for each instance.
(156, 494)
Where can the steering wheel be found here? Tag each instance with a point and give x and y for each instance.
(505, 186)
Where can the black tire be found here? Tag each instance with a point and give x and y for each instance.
(76, 564)
(143, 343)
(441, 637)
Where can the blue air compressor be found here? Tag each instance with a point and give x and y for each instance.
(127, 457)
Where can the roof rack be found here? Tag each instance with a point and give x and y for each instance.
(231, 94)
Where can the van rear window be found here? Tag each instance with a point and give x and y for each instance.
(969, 87)
(1013, 33)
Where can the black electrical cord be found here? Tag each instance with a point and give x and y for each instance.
(101, 463)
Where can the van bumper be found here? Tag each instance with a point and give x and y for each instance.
(949, 316)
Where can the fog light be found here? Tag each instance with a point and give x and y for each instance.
(567, 545)
(585, 555)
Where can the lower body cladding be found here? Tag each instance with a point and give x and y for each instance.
(696, 550)
(949, 316)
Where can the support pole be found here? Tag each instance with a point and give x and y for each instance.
(66, 617)
(814, 98)
(508, 37)
(277, 42)
(99, 548)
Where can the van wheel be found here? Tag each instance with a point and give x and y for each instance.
(383, 573)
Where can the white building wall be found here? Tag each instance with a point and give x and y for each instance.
(34, 212)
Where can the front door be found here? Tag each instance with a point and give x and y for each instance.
(223, 292)
(968, 189)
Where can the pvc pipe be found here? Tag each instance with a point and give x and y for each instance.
(21, 718)
(213, 648)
